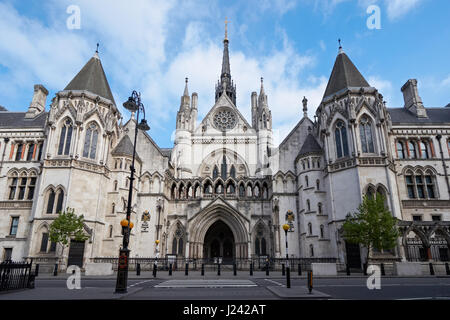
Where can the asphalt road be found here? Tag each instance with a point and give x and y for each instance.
(144, 289)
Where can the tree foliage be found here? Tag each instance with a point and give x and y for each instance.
(373, 226)
(66, 227)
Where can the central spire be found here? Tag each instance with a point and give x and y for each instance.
(226, 84)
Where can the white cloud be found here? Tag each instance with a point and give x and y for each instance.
(399, 8)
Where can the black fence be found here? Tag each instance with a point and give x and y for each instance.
(16, 275)
(178, 263)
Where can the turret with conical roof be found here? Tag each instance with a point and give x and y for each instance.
(92, 78)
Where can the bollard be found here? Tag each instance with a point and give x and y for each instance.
(170, 269)
(431, 269)
(55, 271)
(447, 269)
(288, 277)
(36, 270)
(154, 270)
(283, 272)
(251, 268)
(203, 269)
(186, 270)
(299, 269)
(267, 268)
(383, 273)
(234, 268)
(310, 281)
(347, 268)
(138, 269)
(218, 269)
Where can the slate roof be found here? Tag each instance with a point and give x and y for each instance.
(166, 152)
(344, 75)
(124, 147)
(18, 120)
(92, 78)
(310, 145)
(435, 115)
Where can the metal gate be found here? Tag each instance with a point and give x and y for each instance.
(353, 255)
(76, 253)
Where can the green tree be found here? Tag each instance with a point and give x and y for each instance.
(373, 225)
(66, 227)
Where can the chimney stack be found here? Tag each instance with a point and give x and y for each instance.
(37, 105)
(413, 102)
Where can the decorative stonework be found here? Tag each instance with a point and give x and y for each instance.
(224, 120)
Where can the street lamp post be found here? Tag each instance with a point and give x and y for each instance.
(133, 104)
(286, 227)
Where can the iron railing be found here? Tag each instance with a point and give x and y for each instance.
(15, 275)
(179, 263)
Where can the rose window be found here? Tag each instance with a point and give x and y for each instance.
(225, 120)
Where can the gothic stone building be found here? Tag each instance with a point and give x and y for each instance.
(224, 189)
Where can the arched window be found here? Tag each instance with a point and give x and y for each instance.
(370, 193)
(319, 207)
(13, 187)
(311, 250)
(318, 184)
(219, 188)
(412, 150)
(90, 141)
(110, 231)
(257, 248)
(424, 150)
(310, 228)
(256, 191)
(215, 172)
(180, 246)
(65, 138)
(59, 203)
(365, 133)
(113, 208)
(249, 191)
(420, 185)
(207, 188)
(115, 185)
(174, 246)
(322, 232)
(340, 134)
(50, 201)
(307, 181)
(308, 205)
(241, 191)
(400, 150)
(223, 169)
(233, 172)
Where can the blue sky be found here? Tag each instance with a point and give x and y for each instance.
(151, 46)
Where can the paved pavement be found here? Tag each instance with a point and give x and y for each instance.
(229, 287)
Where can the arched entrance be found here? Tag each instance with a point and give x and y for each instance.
(219, 242)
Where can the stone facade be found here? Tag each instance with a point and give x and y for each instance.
(224, 190)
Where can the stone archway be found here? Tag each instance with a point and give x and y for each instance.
(219, 242)
(219, 217)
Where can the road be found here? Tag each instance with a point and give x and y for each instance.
(228, 287)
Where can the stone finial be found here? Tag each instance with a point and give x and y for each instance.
(305, 107)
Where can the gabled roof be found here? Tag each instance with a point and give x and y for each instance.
(17, 120)
(310, 145)
(92, 78)
(435, 115)
(124, 147)
(344, 75)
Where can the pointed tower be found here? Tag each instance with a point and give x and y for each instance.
(263, 125)
(226, 84)
(186, 119)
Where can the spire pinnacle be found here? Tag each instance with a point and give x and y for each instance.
(186, 92)
(305, 107)
(96, 52)
(340, 46)
(262, 86)
(226, 29)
